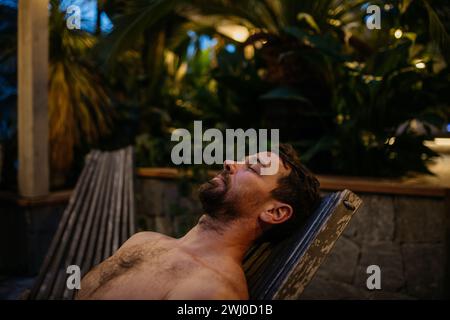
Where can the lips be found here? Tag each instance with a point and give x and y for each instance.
(216, 181)
(220, 178)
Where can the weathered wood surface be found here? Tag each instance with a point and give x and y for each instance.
(32, 73)
(282, 271)
(97, 220)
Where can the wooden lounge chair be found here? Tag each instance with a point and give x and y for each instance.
(97, 220)
(100, 217)
(282, 270)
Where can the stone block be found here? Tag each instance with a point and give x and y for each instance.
(341, 262)
(420, 219)
(424, 270)
(327, 289)
(374, 221)
(386, 255)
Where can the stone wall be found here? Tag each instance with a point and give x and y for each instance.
(405, 236)
(166, 206)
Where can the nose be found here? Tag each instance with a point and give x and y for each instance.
(230, 166)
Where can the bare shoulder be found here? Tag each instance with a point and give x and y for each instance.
(143, 237)
(207, 284)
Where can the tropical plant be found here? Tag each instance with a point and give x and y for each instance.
(80, 107)
(347, 97)
(8, 95)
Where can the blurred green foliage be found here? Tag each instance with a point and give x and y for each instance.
(351, 100)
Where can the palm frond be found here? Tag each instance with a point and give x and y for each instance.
(437, 31)
(80, 109)
(140, 15)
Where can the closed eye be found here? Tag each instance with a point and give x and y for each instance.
(251, 169)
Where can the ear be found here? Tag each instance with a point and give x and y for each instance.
(276, 213)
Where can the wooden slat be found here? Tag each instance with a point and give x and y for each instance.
(118, 205)
(110, 208)
(75, 233)
(254, 271)
(44, 282)
(159, 173)
(253, 254)
(124, 222)
(131, 213)
(102, 242)
(86, 229)
(94, 209)
(380, 186)
(269, 267)
(94, 242)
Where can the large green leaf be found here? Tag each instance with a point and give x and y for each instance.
(438, 32)
(285, 93)
(141, 15)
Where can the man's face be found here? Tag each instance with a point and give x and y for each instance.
(240, 189)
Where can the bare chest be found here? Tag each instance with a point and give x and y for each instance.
(140, 274)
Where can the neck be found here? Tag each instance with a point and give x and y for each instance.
(212, 237)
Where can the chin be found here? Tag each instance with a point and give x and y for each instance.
(211, 191)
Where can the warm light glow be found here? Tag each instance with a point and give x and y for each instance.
(181, 72)
(398, 34)
(420, 65)
(334, 22)
(390, 141)
(442, 141)
(249, 52)
(236, 32)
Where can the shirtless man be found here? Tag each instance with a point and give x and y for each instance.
(240, 206)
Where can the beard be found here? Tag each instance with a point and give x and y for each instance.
(215, 198)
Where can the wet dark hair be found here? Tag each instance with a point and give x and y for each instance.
(299, 189)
